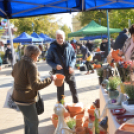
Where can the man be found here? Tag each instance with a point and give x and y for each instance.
(90, 46)
(87, 56)
(120, 40)
(103, 45)
(8, 54)
(61, 57)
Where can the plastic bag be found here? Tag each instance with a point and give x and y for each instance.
(9, 103)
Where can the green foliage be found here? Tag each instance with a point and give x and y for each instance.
(125, 73)
(117, 18)
(67, 30)
(129, 90)
(97, 42)
(42, 24)
(86, 17)
(100, 72)
(114, 82)
(71, 123)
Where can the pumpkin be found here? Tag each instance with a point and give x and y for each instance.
(94, 66)
(98, 66)
(98, 50)
(116, 57)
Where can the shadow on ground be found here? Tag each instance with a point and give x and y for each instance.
(47, 97)
(6, 85)
(41, 129)
(6, 72)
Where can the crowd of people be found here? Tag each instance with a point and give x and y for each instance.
(61, 57)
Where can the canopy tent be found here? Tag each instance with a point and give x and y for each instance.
(25, 38)
(10, 9)
(25, 8)
(45, 37)
(35, 35)
(93, 29)
(94, 37)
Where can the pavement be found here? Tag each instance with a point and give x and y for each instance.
(11, 121)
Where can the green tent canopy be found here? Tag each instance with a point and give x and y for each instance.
(93, 29)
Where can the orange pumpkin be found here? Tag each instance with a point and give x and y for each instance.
(116, 57)
(98, 50)
(98, 66)
(94, 66)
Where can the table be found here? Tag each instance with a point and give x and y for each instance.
(113, 125)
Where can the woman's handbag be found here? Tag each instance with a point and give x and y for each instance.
(40, 105)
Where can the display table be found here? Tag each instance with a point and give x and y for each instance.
(113, 125)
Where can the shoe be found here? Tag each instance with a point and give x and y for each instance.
(87, 73)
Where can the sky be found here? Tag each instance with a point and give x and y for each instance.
(66, 18)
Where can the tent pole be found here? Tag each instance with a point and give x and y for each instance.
(11, 41)
(109, 47)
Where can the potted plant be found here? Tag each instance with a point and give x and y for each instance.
(129, 90)
(113, 84)
(71, 123)
(100, 74)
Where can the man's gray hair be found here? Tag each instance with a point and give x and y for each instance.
(31, 50)
(60, 32)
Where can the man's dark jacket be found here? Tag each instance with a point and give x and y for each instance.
(67, 54)
(90, 46)
(120, 40)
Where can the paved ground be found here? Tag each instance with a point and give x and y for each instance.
(11, 122)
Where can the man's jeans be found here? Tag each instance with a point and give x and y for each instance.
(30, 118)
(72, 86)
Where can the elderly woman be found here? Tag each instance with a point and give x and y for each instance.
(128, 48)
(26, 86)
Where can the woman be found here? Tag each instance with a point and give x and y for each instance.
(128, 48)
(87, 57)
(26, 86)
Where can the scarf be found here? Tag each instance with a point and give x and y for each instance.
(129, 51)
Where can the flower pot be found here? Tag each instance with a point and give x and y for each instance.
(80, 130)
(91, 112)
(54, 118)
(100, 80)
(78, 119)
(74, 114)
(59, 80)
(85, 124)
(73, 110)
(113, 94)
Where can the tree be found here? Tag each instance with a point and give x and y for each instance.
(117, 18)
(67, 30)
(97, 16)
(41, 24)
